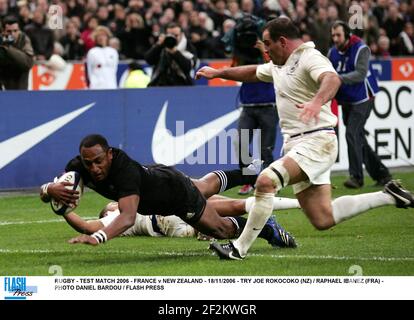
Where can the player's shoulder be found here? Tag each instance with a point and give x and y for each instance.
(121, 161)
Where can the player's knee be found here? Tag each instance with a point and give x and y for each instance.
(324, 220)
(264, 184)
(321, 224)
(273, 178)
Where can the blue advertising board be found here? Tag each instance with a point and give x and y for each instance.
(191, 128)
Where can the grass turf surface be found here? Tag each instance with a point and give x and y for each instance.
(381, 242)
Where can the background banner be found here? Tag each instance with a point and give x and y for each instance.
(192, 128)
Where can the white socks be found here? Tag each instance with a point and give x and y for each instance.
(258, 215)
(279, 203)
(346, 207)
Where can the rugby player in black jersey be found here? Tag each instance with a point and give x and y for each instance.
(155, 189)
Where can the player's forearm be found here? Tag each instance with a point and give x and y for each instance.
(121, 223)
(79, 224)
(330, 84)
(242, 74)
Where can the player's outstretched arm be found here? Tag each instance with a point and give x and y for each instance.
(81, 225)
(243, 73)
(128, 207)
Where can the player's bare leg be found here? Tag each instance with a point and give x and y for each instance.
(212, 224)
(316, 203)
(228, 207)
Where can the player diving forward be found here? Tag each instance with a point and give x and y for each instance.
(173, 226)
(150, 189)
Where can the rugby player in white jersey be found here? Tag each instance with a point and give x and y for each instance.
(305, 82)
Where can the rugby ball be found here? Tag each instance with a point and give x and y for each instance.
(74, 178)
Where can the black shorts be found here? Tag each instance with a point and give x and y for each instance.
(195, 203)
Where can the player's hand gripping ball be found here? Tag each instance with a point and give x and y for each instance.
(74, 178)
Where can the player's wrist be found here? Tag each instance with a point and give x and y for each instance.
(100, 236)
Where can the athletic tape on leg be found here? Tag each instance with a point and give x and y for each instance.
(278, 174)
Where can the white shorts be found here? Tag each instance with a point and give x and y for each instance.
(315, 153)
(173, 226)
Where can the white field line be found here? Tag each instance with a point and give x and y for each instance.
(8, 223)
(274, 256)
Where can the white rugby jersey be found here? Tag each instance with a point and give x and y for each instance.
(296, 82)
(102, 64)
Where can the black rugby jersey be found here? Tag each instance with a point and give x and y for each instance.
(163, 190)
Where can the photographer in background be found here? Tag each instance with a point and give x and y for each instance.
(16, 56)
(173, 58)
(257, 99)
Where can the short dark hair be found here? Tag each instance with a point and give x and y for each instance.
(345, 27)
(10, 20)
(173, 25)
(92, 140)
(282, 27)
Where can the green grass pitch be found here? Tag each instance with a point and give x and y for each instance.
(379, 242)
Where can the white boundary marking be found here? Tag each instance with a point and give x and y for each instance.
(173, 253)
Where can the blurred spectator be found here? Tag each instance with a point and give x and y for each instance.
(75, 8)
(216, 45)
(41, 37)
(4, 9)
(73, 46)
(24, 16)
(198, 35)
(136, 77)
(371, 32)
(383, 48)
(406, 40)
(103, 15)
(380, 11)
(117, 25)
(202, 20)
(86, 35)
(115, 43)
(173, 58)
(219, 14)
(135, 38)
(393, 25)
(16, 56)
(102, 61)
(234, 9)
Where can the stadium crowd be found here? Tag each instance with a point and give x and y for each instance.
(136, 24)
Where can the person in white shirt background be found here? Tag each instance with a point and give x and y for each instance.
(102, 61)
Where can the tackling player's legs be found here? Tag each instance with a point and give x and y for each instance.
(311, 185)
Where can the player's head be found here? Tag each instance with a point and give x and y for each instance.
(110, 207)
(277, 37)
(96, 156)
(340, 33)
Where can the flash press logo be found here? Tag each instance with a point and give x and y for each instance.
(16, 288)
